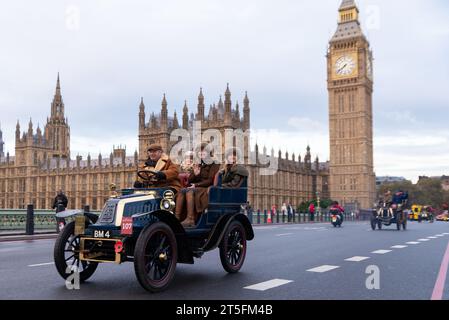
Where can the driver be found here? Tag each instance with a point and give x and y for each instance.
(165, 172)
(335, 206)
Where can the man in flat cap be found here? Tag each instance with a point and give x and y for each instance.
(164, 171)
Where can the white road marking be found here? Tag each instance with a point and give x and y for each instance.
(324, 268)
(357, 259)
(439, 235)
(265, 228)
(11, 249)
(423, 240)
(398, 247)
(413, 242)
(431, 237)
(268, 284)
(284, 234)
(41, 264)
(381, 251)
(446, 233)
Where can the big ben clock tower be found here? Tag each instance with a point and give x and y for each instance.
(350, 86)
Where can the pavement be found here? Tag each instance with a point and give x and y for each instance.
(283, 262)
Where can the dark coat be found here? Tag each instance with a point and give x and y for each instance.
(202, 183)
(60, 199)
(233, 175)
(170, 170)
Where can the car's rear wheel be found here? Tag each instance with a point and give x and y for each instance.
(155, 257)
(66, 255)
(233, 247)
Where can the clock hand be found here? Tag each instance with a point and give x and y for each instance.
(342, 68)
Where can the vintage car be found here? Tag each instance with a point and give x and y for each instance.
(382, 216)
(443, 216)
(139, 225)
(426, 214)
(416, 212)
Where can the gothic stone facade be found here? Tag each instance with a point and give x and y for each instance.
(350, 86)
(42, 164)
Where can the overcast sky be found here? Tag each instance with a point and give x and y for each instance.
(110, 53)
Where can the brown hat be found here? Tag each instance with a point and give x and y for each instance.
(155, 147)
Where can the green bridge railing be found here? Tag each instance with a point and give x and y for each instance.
(16, 219)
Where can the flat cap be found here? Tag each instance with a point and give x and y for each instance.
(154, 146)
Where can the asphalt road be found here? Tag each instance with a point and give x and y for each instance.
(280, 265)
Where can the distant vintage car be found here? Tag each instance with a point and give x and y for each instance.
(139, 225)
(415, 213)
(443, 216)
(383, 217)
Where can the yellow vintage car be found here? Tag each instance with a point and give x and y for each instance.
(416, 212)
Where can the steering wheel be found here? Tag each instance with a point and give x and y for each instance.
(146, 175)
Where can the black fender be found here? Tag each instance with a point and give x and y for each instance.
(221, 226)
(91, 217)
(185, 254)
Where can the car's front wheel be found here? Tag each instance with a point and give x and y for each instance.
(155, 257)
(233, 247)
(66, 255)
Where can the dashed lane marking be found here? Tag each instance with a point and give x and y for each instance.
(41, 264)
(268, 284)
(413, 242)
(381, 251)
(357, 259)
(439, 235)
(324, 268)
(432, 237)
(398, 247)
(284, 234)
(423, 240)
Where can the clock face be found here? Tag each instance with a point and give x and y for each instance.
(344, 66)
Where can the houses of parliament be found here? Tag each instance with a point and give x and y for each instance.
(43, 164)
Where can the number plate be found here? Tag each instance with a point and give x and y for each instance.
(127, 226)
(102, 234)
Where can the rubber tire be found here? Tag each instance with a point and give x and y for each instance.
(59, 258)
(223, 256)
(139, 259)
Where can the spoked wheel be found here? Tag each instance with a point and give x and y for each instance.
(155, 257)
(233, 247)
(66, 255)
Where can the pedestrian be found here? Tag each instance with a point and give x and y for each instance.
(60, 204)
(289, 212)
(312, 212)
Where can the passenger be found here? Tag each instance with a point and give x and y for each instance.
(195, 197)
(233, 174)
(165, 171)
